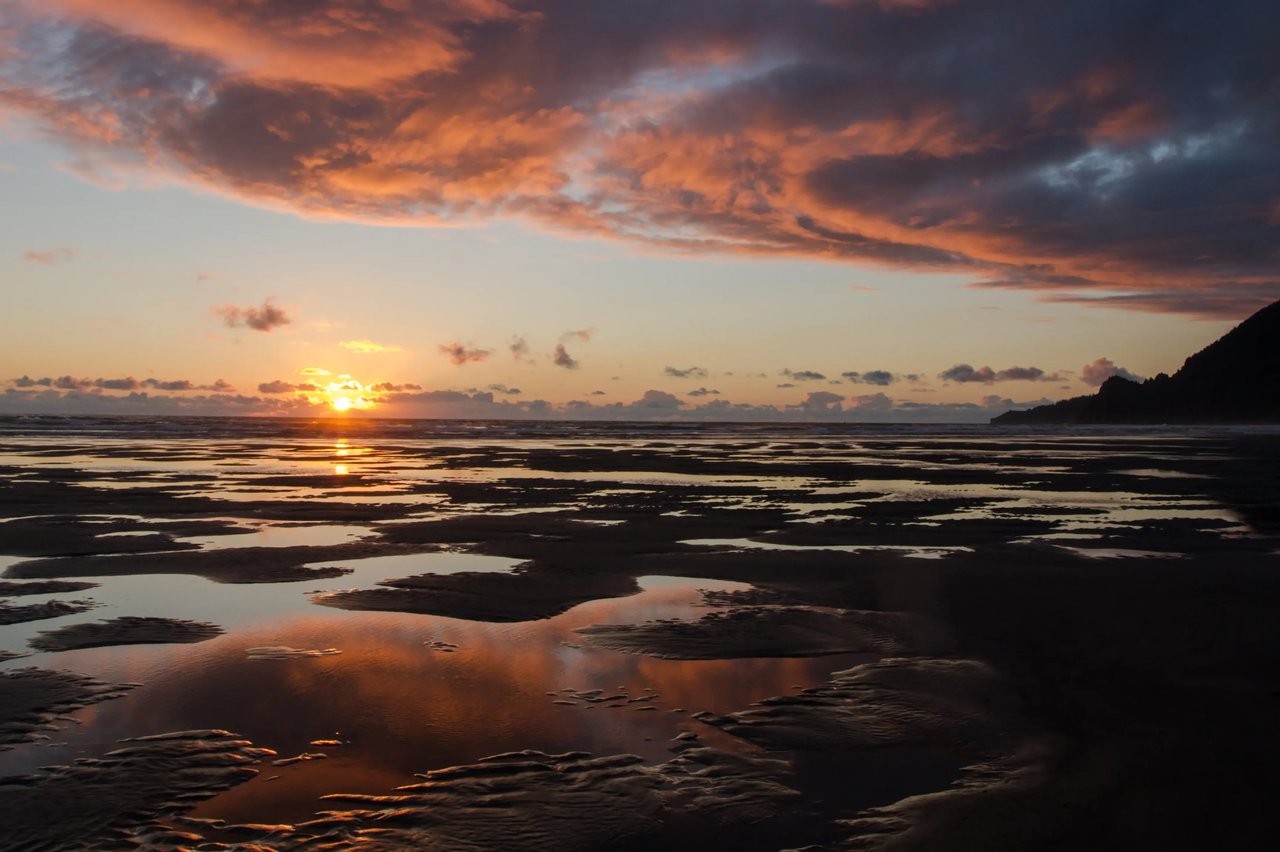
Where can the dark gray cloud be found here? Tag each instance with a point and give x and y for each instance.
(519, 349)
(702, 392)
(459, 354)
(264, 317)
(985, 375)
(125, 384)
(170, 385)
(686, 373)
(1122, 152)
(561, 358)
(505, 390)
(803, 375)
(871, 377)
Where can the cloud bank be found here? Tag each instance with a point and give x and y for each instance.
(1117, 152)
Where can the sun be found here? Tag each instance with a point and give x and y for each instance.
(341, 403)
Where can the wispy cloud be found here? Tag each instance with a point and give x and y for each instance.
(803, 375)
(368, 347)
(459, 354)
(48, 257)
(582, 334)
(686, 373)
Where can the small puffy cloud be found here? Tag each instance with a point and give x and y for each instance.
(966, 373)
(220, 386)
(703, 392)
(314, 371)
(367, 347)
(504, 389)
(659, 400)
(597, 393)
(26, 381)
(1026, 374)
(459, 354)
(278, 386)
(985, 375)
(71, 383)
(264, 317)
(519, 349)
(687, 373)
(785, 385)
(804, 375)
(1102, 369)
(582, 334)
(871, 377)
(562, 358)
(202, 277)
(48, 257)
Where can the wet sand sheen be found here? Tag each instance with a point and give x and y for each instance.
(1006, 643)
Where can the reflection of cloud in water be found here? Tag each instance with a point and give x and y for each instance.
(403, 709)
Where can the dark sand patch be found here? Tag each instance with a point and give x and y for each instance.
(231, 565)
(45, 587)
(117, 801)
(40, 611)
(768, 632)
(64, 536)
(31, 699)
(519, 596)
(126, 630)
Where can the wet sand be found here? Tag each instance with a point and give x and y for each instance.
(968, 639)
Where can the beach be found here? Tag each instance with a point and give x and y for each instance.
(326, 633)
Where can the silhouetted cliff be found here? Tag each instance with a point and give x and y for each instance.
(1234, 380)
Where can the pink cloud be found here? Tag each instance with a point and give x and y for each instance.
(850, 131)
(48, 257)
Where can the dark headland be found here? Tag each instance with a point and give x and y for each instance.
(1236, 379)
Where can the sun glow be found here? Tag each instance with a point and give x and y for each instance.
(345, 394)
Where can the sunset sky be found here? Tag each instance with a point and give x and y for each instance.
(714, 209)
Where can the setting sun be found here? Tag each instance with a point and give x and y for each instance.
(341, 404)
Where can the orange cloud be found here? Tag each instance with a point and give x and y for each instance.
(366, 347)
(1137, 173)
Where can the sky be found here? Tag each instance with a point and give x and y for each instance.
(868, 210)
